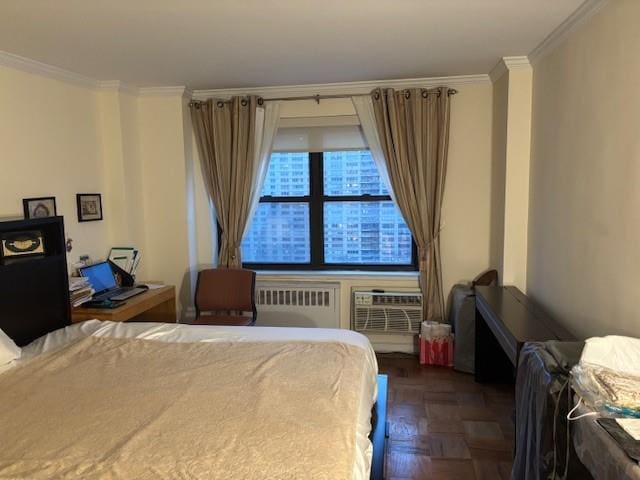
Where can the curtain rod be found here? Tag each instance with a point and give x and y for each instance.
(317, 98)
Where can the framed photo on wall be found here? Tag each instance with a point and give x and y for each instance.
(39, 207)
(89, 207)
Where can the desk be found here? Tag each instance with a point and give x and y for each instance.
(157, 305)
(505, 319)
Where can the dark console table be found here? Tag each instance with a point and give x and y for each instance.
(505, 319)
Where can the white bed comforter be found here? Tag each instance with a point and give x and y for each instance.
(175, 333)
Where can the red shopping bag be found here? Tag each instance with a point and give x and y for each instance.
(437, 351)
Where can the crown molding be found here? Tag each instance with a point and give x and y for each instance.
(342, 88)
(176, 91)
(38, 68)
(516, 63)
(116, 86)
(574, 21)
(498, 71)
(49, 71)
(506, 64)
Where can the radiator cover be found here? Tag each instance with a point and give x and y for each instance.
(298, 304)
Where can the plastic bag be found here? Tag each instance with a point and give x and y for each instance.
(607, 391)
(436, 344)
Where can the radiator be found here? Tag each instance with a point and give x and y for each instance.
(298, 304)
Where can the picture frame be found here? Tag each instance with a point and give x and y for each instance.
(89, 207)
(39, 207)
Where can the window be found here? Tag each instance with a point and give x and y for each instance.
(327, 210)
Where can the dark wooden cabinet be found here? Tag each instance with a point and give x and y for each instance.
(34, 291)
(505, 319)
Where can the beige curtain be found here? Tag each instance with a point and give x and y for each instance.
(413, 128)
(225, 133)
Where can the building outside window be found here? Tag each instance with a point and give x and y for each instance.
(327, 210)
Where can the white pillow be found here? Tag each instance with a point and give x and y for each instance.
(9, 351)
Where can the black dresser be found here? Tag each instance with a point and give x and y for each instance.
(34, 288)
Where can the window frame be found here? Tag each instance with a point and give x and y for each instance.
(316, 200)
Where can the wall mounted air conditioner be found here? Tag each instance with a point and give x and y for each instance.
(386, 312)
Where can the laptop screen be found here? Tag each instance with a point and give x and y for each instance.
(100, 276)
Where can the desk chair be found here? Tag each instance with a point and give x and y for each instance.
(225, 294)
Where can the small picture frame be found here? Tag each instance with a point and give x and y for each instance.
(89, 207)
(40, 207)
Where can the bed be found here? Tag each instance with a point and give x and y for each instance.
(144, 400)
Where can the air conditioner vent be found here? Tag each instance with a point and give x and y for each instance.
(388, 312)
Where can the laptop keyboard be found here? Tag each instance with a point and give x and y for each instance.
(118, 292)
(128, 293)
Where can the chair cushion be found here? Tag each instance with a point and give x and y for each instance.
(233, 320)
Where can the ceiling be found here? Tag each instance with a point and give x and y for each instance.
(250, 43)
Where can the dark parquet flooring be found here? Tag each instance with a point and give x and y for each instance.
(443, 425)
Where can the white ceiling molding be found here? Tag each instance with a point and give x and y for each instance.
(516, 63)
(176, 91)
(578, 18)
(342, 88)
(38, 68)
(116, 86)
(498, 71)
(508, 63)
(49, 71)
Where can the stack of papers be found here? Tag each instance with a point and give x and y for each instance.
(80, 291)
(127, 258)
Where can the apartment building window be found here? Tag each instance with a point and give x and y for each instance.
(327, 210)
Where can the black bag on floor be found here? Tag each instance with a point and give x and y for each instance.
(462, 318)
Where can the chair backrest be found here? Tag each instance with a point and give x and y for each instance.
(486, 278)
(225, 289)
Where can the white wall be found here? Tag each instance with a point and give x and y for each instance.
(584, 224)
(165, 179)
(467, 200)
(498, 171)
(466, 211)
(518, 156)
(140, 153)
(49, 146)
(512, 93)
(120, 149)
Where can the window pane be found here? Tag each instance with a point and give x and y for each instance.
(288, 175)
(352, 172)
(365, 233)
(279, 233)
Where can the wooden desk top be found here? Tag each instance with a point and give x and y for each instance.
(523, 318)
(162, 299)
(515, 319)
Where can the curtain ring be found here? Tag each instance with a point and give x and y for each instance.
(407, 94)
(425, 93)
(260, 101)
(220, 104)
(376, 95)
(439, 93)
(243, 102)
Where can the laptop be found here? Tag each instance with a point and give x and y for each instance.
(103, 281)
